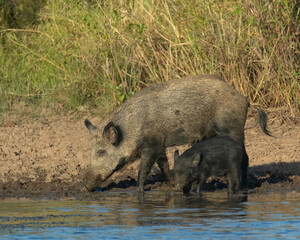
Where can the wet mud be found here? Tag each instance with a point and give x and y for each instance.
(58, 189)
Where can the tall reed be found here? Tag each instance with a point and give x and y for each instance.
(100, 53)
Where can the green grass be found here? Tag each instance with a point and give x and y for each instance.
(97, 54)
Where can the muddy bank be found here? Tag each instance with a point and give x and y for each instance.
(47, 157)
(57, 189)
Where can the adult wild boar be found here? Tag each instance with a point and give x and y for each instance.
(170, 113)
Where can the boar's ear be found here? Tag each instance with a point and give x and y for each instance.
(90, 126)
(176, 155)
(112, 134)
(196, 160)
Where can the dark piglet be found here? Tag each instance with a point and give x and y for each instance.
(217, 156)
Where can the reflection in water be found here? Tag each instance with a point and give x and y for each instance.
(155, 215)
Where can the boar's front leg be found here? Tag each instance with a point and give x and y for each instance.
(147, 161)
(164, 167)
(153, 151)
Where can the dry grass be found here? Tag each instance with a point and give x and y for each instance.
(100, 53)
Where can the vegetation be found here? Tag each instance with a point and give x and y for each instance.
(90, 53)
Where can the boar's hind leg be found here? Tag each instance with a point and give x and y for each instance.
(244, 168)
(164, 167)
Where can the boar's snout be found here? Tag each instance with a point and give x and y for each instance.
(92, 182)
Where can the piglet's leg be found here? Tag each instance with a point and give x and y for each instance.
(200, 185)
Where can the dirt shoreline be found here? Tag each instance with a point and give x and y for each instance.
(47, 157)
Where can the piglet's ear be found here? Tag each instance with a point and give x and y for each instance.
(196, 160)
(112, 133)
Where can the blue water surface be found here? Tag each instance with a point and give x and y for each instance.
(156, 215)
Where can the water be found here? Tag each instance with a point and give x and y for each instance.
(157, 215)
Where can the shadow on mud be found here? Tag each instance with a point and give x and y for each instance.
(258, 175)
(153, 182)
(272, 173)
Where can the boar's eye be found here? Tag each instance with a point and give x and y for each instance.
(101, 152)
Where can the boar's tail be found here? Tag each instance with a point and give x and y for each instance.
(263, 119)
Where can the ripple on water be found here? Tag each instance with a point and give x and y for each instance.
(156, 215)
